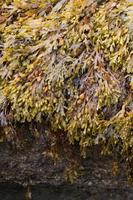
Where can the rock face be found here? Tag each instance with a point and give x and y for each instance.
(32, 167)
(65, 192)
(47, 181)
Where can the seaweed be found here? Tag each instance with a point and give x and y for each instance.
(67, 65)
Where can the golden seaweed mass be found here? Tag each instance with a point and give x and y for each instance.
(70, 63)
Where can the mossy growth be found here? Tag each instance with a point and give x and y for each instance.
(68, 66)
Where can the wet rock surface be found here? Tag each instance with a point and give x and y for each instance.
(65, 192)
(17, 169)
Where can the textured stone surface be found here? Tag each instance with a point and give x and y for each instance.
(31, 167)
